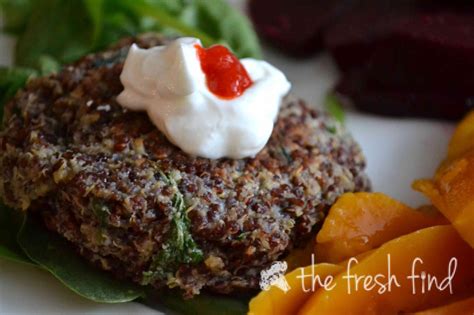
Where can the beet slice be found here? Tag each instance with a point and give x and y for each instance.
(404, 102)
(295, 27)
(438, 105)
(410, 45)
(407, 59)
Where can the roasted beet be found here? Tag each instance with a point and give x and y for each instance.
(404, 57)
(415, 56)
(404, 102)
(408, 46)
(295, 27)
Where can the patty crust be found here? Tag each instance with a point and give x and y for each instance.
(107, 180)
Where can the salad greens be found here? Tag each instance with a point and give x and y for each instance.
(70, 29)
(67, 30)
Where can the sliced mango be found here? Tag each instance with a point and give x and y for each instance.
(452, 192)
(277, 302)
(463, 138)
(465, 306)
(359, 222)
(435, 246)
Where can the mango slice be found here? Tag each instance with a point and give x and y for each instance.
(438, 248)
(465, 306)
(359, 222)
(277, 302)
(463, 138)
(452, 192)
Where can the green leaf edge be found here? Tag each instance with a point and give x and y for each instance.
(8, 254)
(138, 294)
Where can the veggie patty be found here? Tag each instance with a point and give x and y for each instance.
(132, 203)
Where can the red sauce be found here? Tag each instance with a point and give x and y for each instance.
(226, 77)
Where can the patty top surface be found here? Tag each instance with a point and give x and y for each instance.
(108, 180)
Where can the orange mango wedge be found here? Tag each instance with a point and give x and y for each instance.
(277, 302)
(452, 192)
(463, 138)
(437, 247)
(359, 222)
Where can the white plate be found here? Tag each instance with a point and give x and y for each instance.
(397, 150)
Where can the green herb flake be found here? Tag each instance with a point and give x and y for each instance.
(286, 154)
(242, 235)
(100, 210)
(180, 247)
(334, 107)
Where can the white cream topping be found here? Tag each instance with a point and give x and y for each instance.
(168, 83)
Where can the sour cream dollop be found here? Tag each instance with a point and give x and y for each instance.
(169, 84)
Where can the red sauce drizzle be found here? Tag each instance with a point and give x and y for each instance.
(226, 77)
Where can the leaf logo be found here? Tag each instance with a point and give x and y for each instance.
(275, 276)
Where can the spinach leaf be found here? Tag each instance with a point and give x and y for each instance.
(213, 21)
(15, 256)
(218, 19)
(203, 304)
(65, 30)
(10, 223)
(158, 12)
(56, 256)
(333, 106)
(11, 80)
(15, 15)
(71, 29)
(48, 65)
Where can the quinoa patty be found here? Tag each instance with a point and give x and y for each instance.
(107, 180)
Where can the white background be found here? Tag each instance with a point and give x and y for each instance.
(397, 150)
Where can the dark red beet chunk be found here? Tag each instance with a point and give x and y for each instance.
(407, 59)
(295, 27)
(352, 39)
(398, 57)
(431, 48)
(404, 102)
